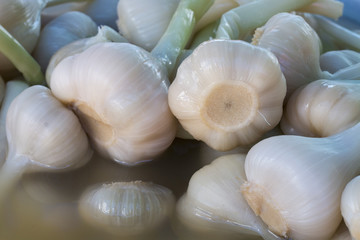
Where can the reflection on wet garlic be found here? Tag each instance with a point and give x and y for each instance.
(126, 208)
(228, 93)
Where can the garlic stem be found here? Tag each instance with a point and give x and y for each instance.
(328, 8)
(205, 34)
(237, 22)
(50, 3)
(179, 31)
(23, 61)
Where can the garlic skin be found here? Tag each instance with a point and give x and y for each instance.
(22, 20)
(213, 200)
(333, 61)
(61, 31)
(104, 34)
(143, 22)
(322, 108)
(295, 183)
(126, 208)
(228, 93)
(45, 133)
(119, 92)
(297, 47)
(13, 89)
(350, 207)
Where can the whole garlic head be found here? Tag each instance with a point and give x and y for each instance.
(228, 93)
(126, 208)
(297, 47)
(119, 92)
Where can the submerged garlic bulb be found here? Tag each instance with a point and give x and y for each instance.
(61, 31)
(322, 108)
(228, 93)
(350, 207)
(333, 61)
(119, 92)
(295, 183)
(297, 47)
(213, 200)
(143, 22)
(127, 208)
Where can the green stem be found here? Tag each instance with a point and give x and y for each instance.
(50, 3)
(238, 22)
(205, 34)
(22, 60)
(179, 31)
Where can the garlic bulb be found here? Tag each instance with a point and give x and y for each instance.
(61, 31)
(143, 22)
(294, 183)
(213, 200)
(297, 47)
(350, 207)
(103, 12)
(342, 233)
(126, 208)
(228, 93)
(51, 12)
(104, 34)
(322, 108)
(119, 92)
(351, 72)
(13, 89)
(333, 61)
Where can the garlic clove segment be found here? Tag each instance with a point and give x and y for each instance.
(295, 183)
(61, 31)
(143, 22)
(333, 61)
(213, 200)
(119, 92)
(126, 208)
(322, 108)
(350, 207)
(297, 47)
(228, 93)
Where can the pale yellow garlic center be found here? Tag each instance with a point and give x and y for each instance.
(229, 106)
(95, 126)
(257, 36)
(263, 206)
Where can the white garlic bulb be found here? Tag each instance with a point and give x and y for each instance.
(13, 89)
(333, 61)
(213, 200)
(103, 12)
(228, 93)
(350, 207)
(119, 92)
(143, 22)
(322, 108)
(295, 183)
(126, 208)
(297, 47)
(61, 31)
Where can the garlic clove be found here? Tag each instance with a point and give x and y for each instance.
(294, 183)
(297, 47)
(213, 199)
(61, 31)
(144, 22)
(322, 108)
(126, 208)
(350, 207)
(228, 93)
(333, 61)
(119, 92)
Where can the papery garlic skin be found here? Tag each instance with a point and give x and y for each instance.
(61, 31)
(44, 132)
(350, 207)
(333, 61)
(297, 47)
(213, 199)
(13, 89)
(119, 92)
(143, 22)
(322, 108)
(228, 93)
(294, 183)
(22, 20)
(126, 208)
